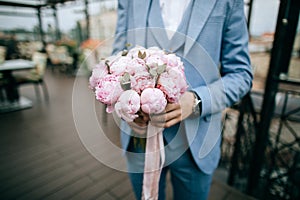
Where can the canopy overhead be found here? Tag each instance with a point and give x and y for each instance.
(38, 5)
(32, 3)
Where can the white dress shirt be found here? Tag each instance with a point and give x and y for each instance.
(172, 12)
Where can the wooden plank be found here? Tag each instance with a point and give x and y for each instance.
(40, 170)
(101, 187)
(52, 186)
(16, 176)
(35, 184)
(69, 190)
(100, 173)
(122, 189)
(106, 196)
(31, 155)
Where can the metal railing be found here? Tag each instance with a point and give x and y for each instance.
(263, 157)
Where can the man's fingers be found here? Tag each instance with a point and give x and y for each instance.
(139, 120)
(172, 106)
(139, 128)
(143, 116)
(165, 120)
(168, 118)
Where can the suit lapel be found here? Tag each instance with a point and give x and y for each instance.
(199, 16)
(156, 25)
(140, 14)
(141, 10)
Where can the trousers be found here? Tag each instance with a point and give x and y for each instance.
(188, 181)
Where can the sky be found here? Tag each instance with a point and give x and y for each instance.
(263, 19)
(67, 16)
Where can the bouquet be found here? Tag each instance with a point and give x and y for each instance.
(141, 80)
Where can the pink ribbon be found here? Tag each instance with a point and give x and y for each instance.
(154, 161)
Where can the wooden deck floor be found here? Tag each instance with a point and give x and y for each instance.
(42, 156)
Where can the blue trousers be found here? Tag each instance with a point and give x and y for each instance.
(188, 181)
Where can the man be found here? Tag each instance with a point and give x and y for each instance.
(212, 39)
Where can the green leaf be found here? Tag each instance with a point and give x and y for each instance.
(153, 72)
(148, 68)
(107, 65)
(126, 85)
(126, 77)
(161, 69)
(124, 52)
(144, 55)
(141, 55)
(125, 81)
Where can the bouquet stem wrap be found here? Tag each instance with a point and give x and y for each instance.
(154, 161)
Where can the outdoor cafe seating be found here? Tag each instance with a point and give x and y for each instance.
(59, 58)
(15, 73)
(35, 76)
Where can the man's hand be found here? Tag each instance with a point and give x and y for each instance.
(174, 112)
(139, 125)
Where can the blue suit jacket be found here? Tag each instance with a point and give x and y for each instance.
(219, 71)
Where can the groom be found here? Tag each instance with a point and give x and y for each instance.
(212, 39)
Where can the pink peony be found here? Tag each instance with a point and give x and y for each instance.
(128, 105)
(141, 81)
(99, 71)
(136, 66)
(134, 52)
(153, 61)
(172, 61)
(108, 90)
(153, 101)
(120, 65)
(112, 59)
(155, 51)
(173, 84)
(156, 76)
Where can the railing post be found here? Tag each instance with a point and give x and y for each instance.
(42, 34)
(287, 22)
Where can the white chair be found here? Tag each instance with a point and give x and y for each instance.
(36, 76)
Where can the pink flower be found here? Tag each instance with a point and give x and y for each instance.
(136, 66)
(141, 81)
(153, 101)
(155, 51)
(153, 61)
(120, 65)
(108, 91)
(128, 105)
(173, 84)
(156, 76)
(99, 71)
(112, 59)
(172, 61)
(134, 52)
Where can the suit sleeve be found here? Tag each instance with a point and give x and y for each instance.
(121, 27)
(236, 73)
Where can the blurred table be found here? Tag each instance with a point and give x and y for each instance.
(13, 101)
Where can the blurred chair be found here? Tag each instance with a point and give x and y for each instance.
(2, 84)
(36, 76)
(2, 81)
(60, 58)
(2, 54)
